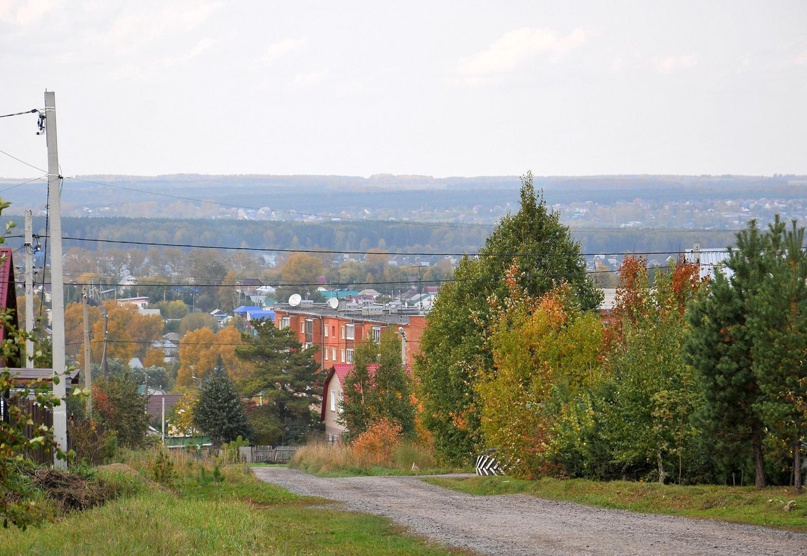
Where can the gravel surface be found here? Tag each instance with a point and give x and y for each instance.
(521, 524)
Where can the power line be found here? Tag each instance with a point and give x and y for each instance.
(346, 252)
(32, 111)
(22, 161)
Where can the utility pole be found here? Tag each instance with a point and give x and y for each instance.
(87, 369)
(57, 281)
(29, 288)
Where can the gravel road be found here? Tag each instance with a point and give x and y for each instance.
(521, 524)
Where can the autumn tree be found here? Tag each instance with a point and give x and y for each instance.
(453, 348)
(129, 333)
(122, 408)
(285, 375)
(544, 353)
(378, 388)
(300, 274)
(199, 351)
(650, 394)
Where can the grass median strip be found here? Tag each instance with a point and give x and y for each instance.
(770, 507)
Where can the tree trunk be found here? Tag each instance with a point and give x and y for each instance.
(660, 463)
(797, 464)
(759, 463)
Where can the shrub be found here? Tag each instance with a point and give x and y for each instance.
(377, 445)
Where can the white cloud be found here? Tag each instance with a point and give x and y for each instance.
(279, 49)
(133, 31)
(25, 14)
(669, 64)
(514, 48)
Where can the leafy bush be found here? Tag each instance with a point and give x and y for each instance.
(377, 445)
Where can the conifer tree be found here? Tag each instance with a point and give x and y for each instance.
(719, 347)
(286, 376)
(218, 411)
(778, 322)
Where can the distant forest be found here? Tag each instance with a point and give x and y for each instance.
(354, 238)
(419, 215)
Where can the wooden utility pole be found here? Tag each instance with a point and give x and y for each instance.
(29, 288)
(57, 281)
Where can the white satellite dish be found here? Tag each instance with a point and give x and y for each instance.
(333, 303)
(295, 299)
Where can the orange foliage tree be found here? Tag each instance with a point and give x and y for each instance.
(200, 349)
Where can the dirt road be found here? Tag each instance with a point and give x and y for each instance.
(521, 525)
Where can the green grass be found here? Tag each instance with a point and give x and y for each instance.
(207, 512)
(733, 504)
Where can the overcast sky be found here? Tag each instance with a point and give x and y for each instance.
(460, 88)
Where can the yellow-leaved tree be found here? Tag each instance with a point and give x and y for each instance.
(544, 350)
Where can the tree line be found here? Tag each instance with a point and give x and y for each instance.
(688, 380)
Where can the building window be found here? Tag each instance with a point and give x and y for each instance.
(343, 332)
(351, 331)
(333, 354)
(343, 356)
(349, 356)
(333, 400)
(333, 331)
(377, 334)
(309, 331)
(326, 354)
(325, 331)
(302, 327)
(285, 322)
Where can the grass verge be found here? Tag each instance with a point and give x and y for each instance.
(748, 505)
(200, 508)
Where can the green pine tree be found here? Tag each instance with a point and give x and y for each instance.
(287, 378)
(218, 411)
(778, 322)
(719, 347)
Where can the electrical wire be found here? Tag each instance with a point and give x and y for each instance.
(22, 161)
(347, 252)
(32, 111)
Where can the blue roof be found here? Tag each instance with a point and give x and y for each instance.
(261, 314)
(246, 309)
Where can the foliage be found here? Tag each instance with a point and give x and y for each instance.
(454, 347)
(122, 409)
(199, 351)
(649, 394)
(544, 352)
(778, 321)
(130, 334)
(287, 378)
(378, 388)
(719, 347)
(378, 443)
(218, 411)
(92, 443)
